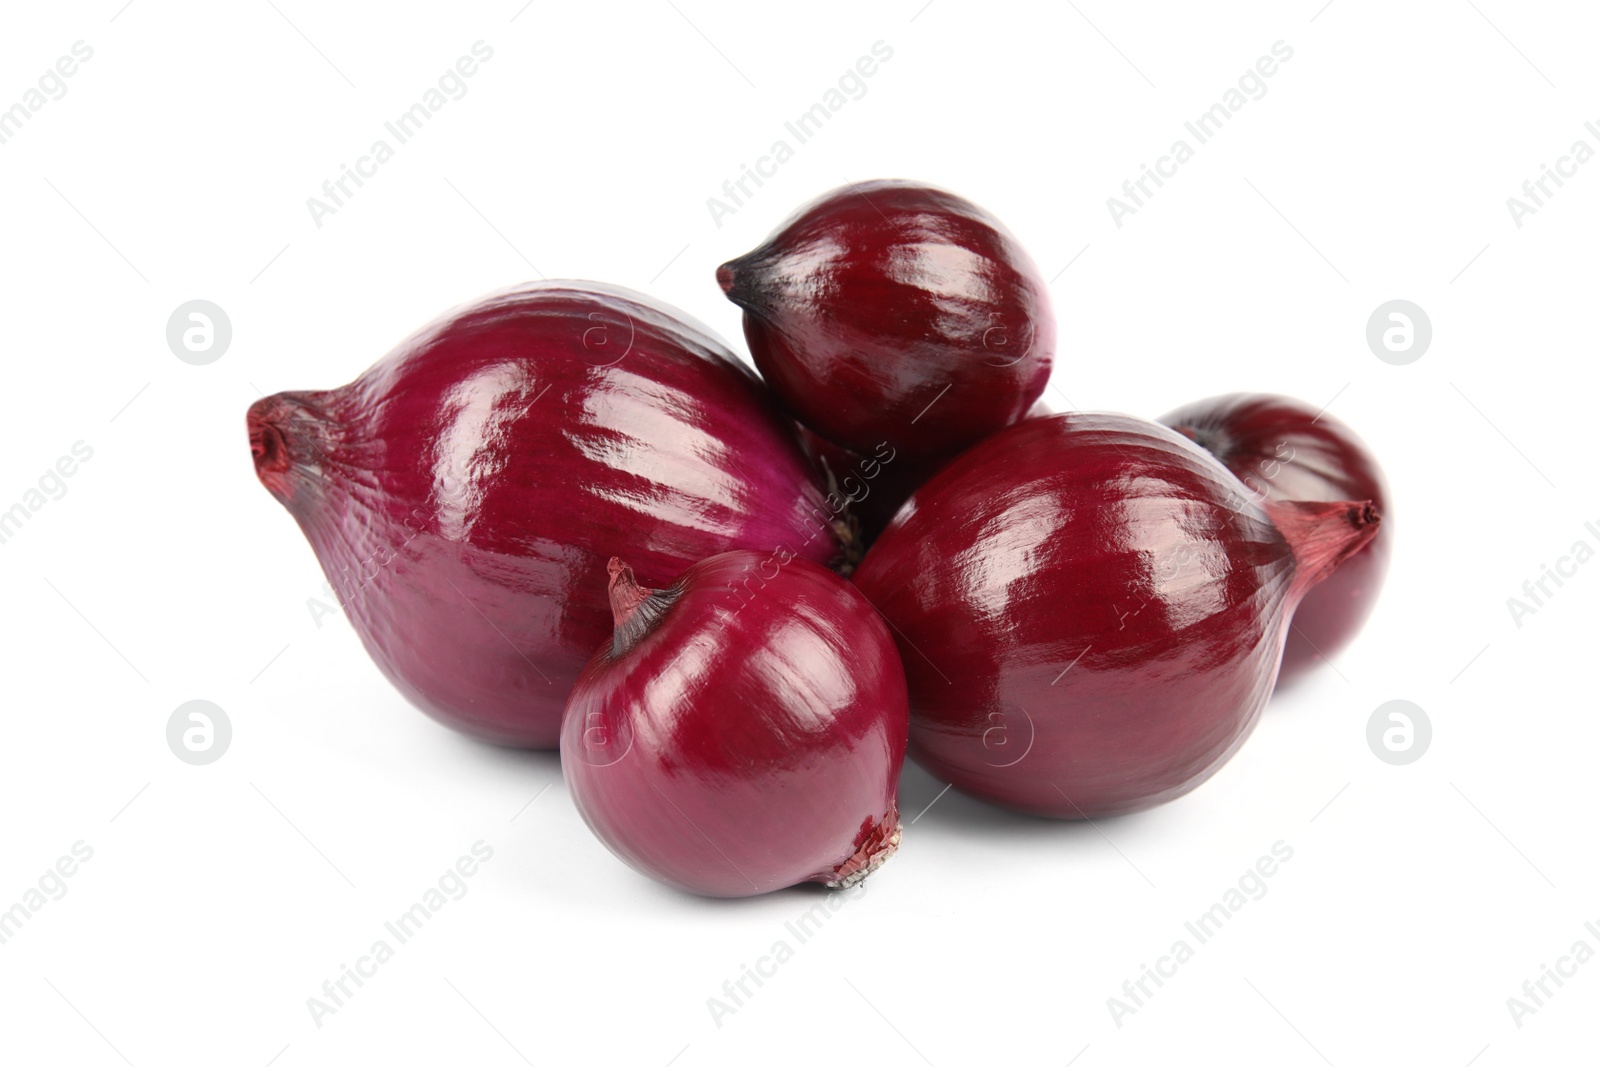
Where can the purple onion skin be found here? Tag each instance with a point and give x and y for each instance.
(464, 494)
(743, 731)
(891, 310)
(1091, 612)
(1283, 449)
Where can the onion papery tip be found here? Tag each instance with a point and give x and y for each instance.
(634, 609)
(267, 445)
(875, 844)
(283, 440)
(846, 527)
(741, 281)
(1323, 535)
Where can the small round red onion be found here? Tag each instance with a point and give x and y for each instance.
(743, 730)
(892, 310)
(1091, 611)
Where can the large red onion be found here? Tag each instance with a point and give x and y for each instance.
(1283, 449)
(465, 493)
(1091, 611)
(743, 730)
(891, 310)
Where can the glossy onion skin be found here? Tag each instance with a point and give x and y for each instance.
(465, 493)
(1283, 449)
(892, 310)
(1089, 612)
(750, 739)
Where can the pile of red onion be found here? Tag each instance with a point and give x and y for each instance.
(568, 516)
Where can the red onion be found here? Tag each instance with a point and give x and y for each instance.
(1091, 612)
(743, 730)
(895, 311)
(463, 494)
(1283, 449)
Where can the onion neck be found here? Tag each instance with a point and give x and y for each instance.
(739, 281)
(635, 610)
(761, 281)
(1322, 535)
(295, 443)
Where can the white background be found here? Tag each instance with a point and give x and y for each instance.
(219, 898)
